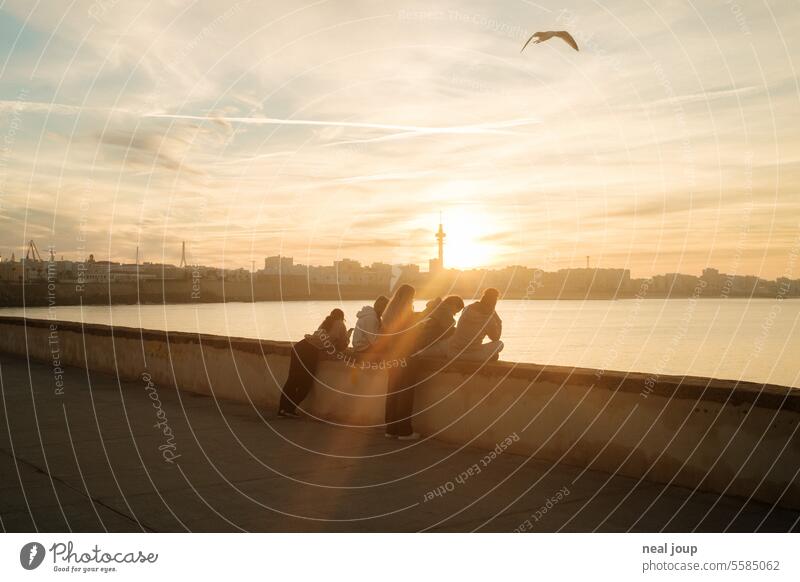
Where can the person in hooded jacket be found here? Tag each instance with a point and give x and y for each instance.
(368, 326)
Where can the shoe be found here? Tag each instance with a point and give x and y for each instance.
(288, 414)
(389, 435)
(414, 436)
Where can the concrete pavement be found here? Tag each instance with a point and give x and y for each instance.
(95, 458)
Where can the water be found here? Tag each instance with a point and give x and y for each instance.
(744, 339)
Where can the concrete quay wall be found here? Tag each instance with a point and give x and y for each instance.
(721, 436)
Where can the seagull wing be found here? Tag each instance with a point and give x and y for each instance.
(567, 38)
(528, 41)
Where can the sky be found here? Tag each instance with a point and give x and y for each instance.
(329, 130)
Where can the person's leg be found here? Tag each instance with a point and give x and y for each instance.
(309, 358)
(489, 351)
(285, 404)
(392, 385)
(289, 390)
(405, 406)
(302, 365)
(402, 395)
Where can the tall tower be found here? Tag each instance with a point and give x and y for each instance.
(440, 238)
(183, 255)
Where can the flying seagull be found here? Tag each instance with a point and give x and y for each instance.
(543, 36)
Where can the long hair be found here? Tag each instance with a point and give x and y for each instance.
(327, 323)
(400, 306)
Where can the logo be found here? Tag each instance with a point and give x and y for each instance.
(31, 555)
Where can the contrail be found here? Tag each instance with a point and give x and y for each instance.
(483, 128)
(497, 128)
(251, 159)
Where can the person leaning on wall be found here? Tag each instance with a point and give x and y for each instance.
(478, 321)
(331, 336)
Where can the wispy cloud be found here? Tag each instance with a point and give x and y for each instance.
(148, 150)
(385, 177)
(705, 96)
(252, 159)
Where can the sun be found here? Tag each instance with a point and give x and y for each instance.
(467, 244)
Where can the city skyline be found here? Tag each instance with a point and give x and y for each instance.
(649, 151)
(285, 265)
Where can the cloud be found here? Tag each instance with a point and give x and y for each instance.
(675, 203)
(371, 116)
(706, 96)
(251, 159)
(479, 129)
(490, 129)
(149, 149)
(385, 177)
(20, 105)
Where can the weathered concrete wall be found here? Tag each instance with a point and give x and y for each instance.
(715, 435)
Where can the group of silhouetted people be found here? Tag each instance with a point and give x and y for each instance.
(391, 331)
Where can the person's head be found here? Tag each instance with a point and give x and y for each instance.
(489, 298)
(400, 304)
(333, 316)
(453, 304)
(380, 304)
(404, 295)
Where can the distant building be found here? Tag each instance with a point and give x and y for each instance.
(788, 287)
(237, 275)
(594, 280)
(348, 272)
(278, 265)
(675, 284)
(713, 280)
(436, 266)
(12, 272)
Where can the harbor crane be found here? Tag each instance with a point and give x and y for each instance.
(32, 254)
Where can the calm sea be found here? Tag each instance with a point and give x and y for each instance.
(756, 340)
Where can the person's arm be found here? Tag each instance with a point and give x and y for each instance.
(342, 337)
(431, 305)
(495, 328)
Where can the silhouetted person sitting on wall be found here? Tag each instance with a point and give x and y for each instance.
(478, 321)
(330, 337)
(438, 328)
(368, 326)
(399, 336)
